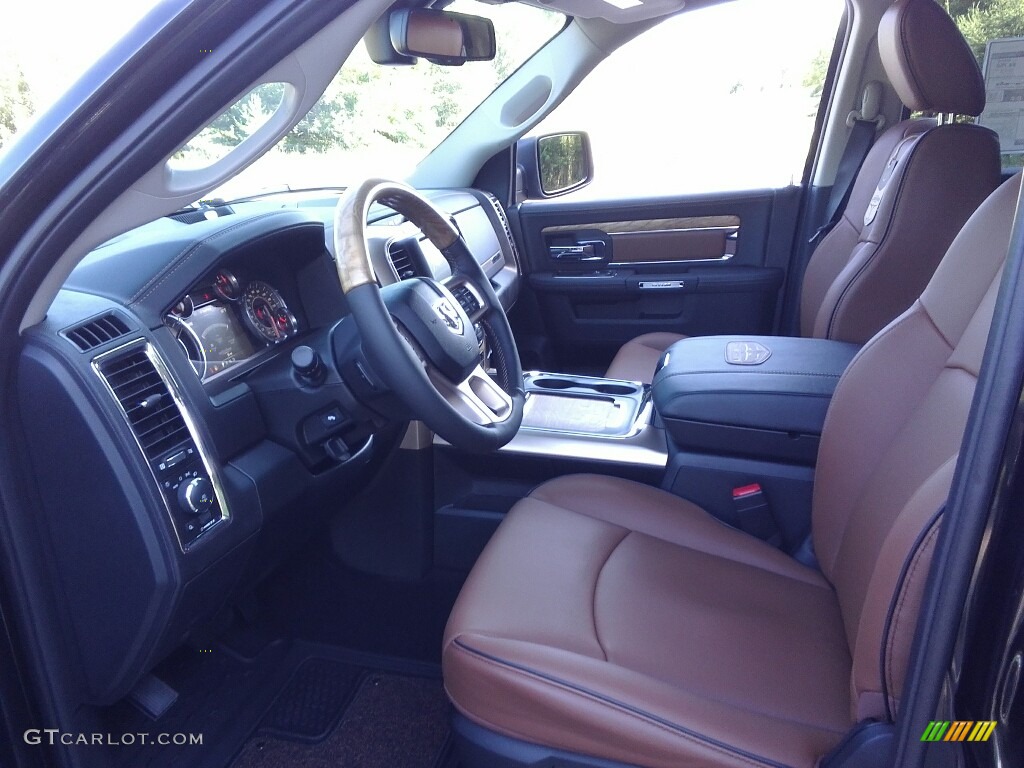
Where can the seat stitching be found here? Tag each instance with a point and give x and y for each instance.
(870, 260)
(597, 579)
(654, 348)
(710, 696)
(906, 317)
(769, 372)
(942, 335)
(825, 585)
(916, 557)
(627, 709)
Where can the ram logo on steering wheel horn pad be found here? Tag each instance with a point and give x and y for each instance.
(450, 316)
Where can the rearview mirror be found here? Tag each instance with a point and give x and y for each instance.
(442, 37)
(555, 164)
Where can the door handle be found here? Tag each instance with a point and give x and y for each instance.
(587, 252)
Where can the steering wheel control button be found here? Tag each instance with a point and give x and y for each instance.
(467, 300)
(308, 366)
(196, 496)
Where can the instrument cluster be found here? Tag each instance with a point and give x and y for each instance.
(222, 323)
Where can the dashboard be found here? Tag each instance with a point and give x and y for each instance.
(166, 367)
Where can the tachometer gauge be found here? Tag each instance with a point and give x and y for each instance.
(267, 312)
(226, 285)
(287, 325)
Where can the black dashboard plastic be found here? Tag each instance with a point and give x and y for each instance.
(285, 454)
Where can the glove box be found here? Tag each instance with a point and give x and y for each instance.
(758, 396)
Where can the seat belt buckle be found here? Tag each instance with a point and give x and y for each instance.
(754, 513)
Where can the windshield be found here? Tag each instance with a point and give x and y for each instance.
(373, 120)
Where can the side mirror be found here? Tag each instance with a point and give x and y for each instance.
(555, 164)
(441, 37)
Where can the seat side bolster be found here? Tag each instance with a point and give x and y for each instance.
(579, 704)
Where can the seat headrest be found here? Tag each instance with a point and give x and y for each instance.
(928, 61)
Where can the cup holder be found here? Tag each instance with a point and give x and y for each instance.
(614, 389)
(553, 382)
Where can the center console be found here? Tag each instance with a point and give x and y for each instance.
(589, 419)
(760, 396)
(744, 416)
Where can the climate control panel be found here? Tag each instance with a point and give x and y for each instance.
(188, 493)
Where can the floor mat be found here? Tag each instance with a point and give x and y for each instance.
(390, 721)
(290, 704)
(309, 707)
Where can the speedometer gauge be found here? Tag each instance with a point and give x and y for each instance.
(267, 312)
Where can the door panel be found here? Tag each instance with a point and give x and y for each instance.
(605, 272)
(695, 238)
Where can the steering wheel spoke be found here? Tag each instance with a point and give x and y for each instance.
(477, 397)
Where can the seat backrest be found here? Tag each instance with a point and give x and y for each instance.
(916, 188)
(889, 448)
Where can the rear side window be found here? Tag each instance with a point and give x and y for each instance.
(995, 31)
(715, 99)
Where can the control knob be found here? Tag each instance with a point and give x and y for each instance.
(308, 366)
(196, 496)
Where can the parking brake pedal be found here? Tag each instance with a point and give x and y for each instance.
(153, 696)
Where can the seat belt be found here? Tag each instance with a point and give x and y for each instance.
(857, 147)
(864, 124)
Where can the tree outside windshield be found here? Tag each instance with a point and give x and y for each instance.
(372, 120)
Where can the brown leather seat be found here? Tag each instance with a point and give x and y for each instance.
(924, 179)
(615, 620)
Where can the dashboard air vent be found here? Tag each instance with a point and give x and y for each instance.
(97, 331)
(402, 261)
(503, 218)
(148, 405)
(466, 299)
(205, 212)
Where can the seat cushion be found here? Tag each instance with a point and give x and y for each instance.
(637, 358)
(612, 619)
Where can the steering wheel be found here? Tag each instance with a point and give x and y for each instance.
(418, 338)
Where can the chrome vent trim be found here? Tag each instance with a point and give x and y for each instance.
(97, 331)
(401, 261)
(503, 218)
(146, 402)
(122, 360)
